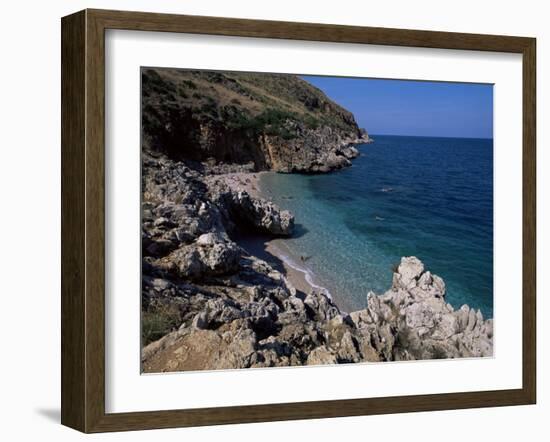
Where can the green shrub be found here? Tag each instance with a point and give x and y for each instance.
(189, 84)
(151, 81)
(159, 320)
(182, 93)
(311, 122)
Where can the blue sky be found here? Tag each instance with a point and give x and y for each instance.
(423, 108)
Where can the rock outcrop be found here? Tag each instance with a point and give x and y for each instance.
(425, 326)
(259, 214)
(207, 303)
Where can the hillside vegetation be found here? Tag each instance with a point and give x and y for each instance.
(275, 121)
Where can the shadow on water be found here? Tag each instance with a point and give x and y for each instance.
(299, 230)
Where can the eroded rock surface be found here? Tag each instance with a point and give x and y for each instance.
(209, 304)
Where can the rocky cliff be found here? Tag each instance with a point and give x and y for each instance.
(273, 121)
(207, 303)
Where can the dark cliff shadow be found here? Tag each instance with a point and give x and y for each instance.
(256, 245)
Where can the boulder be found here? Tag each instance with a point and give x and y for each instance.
(210, 254)
(408, 272)
(240, 351)
(321, 356)
(321, 306)
(263, 215)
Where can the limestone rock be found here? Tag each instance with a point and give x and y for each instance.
(211, 254)
(264, 215)
(321, 356)
(408, 272)
(224, 308)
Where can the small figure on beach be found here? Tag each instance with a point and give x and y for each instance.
(304, 258)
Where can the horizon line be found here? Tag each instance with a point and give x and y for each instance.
(430, 136)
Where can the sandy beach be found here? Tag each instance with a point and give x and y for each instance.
(269, 249)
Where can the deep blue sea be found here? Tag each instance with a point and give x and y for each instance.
(427, 197)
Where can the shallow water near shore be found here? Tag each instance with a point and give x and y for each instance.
(427, 197)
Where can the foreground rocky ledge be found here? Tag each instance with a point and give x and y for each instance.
(208, 304)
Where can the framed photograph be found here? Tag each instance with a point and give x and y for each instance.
(268, 220)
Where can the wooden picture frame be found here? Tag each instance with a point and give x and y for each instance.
(83, 220)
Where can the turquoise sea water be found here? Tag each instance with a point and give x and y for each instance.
(427, 197)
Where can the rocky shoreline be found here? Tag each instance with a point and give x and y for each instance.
(207, 303)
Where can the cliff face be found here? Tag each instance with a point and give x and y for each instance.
(273, 121)
(207, 303)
